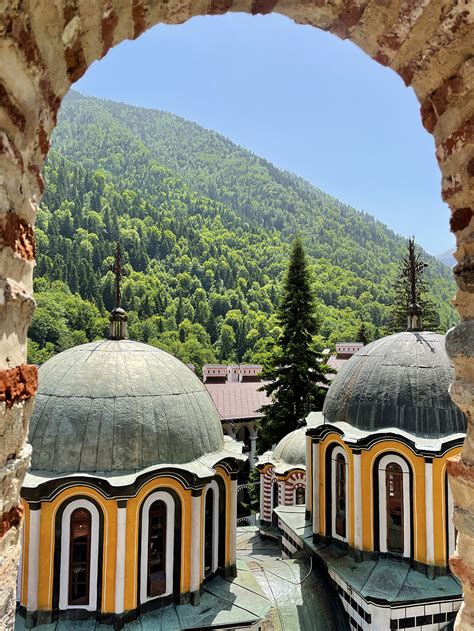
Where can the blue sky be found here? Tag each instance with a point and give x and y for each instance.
(301, 98)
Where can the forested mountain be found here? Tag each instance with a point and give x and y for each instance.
(205, 228)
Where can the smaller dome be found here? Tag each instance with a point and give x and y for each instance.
(292, 448)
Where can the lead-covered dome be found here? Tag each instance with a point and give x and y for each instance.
(292, 448)
(120, 405)
(400, 381)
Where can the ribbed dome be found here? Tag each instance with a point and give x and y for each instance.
(292, 448)
(398, 381)
(120, 405)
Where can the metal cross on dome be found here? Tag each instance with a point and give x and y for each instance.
(117, 269)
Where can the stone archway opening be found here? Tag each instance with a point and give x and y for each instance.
(46, 46)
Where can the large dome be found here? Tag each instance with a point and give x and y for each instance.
(292, 448)
(120, 405)
(400, 381)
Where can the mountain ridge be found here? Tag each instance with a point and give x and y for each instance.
(205, 227)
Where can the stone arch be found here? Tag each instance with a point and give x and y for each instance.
(48, 45)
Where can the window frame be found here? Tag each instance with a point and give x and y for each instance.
(382, 499)
(169, 548)
(298, 488)
(399, 473)
(85, 599)
(212, 486)
(149, 546)
(339, 451)
(64, 575)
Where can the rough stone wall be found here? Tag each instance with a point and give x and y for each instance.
(45, 45)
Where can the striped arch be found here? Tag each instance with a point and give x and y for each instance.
(296, 480)
(267, 494)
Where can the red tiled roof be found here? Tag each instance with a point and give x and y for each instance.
(336, 362)
(237, 400)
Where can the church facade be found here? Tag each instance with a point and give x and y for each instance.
(379, 507)
(282, 477)
(130, 503)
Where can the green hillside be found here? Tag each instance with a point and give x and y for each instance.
(205, 227)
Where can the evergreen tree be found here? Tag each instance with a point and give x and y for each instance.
(363, 334)
(296, 371)
(411, 285)
(179, 311)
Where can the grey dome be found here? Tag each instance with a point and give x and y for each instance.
(120, 405)
(292, 448)
(398, 381)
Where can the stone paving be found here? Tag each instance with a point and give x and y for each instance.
(301, 600)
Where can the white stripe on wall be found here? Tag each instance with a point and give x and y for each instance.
(120, 561)
(33, 560)
(316, 483)
(195, 542)
(429, 512)
(357, 502)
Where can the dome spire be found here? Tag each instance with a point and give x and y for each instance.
(118, 316)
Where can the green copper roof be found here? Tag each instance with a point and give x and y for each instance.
(120, 405)
(400, 381)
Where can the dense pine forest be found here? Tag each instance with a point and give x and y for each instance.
(205, 228)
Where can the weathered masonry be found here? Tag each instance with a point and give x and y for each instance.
(46, 45)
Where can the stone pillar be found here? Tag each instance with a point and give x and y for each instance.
(33, 564)
(357, 500)
(196, 565)
(253, 449)
(120, 561)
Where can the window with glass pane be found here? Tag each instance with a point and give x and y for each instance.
(157, 549)
(340, 496)
(79, 557)
(300, 495)
(209, 534)
(394, 494)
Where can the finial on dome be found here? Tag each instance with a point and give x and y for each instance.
(118, 316)
(412, 271)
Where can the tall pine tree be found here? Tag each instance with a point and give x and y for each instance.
(295, 371)
(412, 272)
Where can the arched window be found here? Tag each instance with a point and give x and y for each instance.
(300, 495)
(208, 532)
(392, 492)
(156, 583)
(160, 539)
(340, 496)
(244, 435)
(394, 495)
(275, 503)
(337, 518)
(79, 557)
